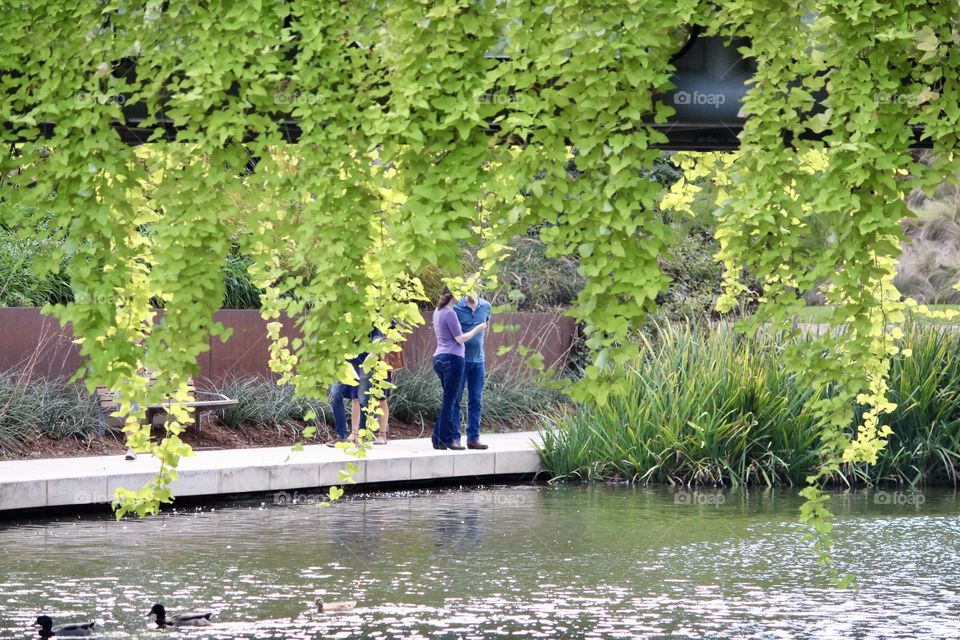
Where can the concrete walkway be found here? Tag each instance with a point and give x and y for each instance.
(26, 484)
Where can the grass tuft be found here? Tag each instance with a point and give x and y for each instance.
(262, 403)
(52, 408)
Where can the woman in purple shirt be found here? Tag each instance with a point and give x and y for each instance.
(448, 362)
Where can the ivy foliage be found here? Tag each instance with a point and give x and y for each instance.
(880, 73)
(426, 124)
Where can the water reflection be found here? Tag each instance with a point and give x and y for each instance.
(457, 530)
(539, 562)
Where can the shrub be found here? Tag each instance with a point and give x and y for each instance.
(534, 282)
(695, 279)
(528, 279)
(695, 275)
(19, 286)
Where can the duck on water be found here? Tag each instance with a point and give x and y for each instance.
(185, 619)
(47, 630)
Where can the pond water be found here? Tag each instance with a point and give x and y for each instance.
(524, 561)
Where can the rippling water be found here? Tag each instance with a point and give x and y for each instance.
(537, 562)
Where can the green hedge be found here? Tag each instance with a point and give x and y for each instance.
(20, 286)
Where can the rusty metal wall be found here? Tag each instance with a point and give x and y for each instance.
(36, 345)
(549, 333)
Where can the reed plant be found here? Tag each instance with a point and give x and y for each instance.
(718, 407)
(239, 292)
(925, 445)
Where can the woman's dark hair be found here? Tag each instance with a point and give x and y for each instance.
(445, 298)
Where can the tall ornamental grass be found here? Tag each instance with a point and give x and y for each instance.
(262, 403)
(925, 446)
(19, 285)
(719, 408)
(54, 408)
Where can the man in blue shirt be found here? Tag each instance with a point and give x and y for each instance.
(471, 311)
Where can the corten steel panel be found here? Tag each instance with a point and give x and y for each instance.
(34, 345)
(550, 333)
(203, 360)
(58, 350)
(20, 328)
(246, 352)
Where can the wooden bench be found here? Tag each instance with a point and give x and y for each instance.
(107, 404)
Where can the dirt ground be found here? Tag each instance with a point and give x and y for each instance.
(212, 435)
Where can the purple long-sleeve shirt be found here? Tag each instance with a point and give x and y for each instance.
(447, 327)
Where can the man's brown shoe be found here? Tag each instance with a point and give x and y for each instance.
(476, 445)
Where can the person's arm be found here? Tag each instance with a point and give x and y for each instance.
(464, 337)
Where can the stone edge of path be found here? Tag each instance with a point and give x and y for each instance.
(81, 482)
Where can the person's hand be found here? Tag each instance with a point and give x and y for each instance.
(481, 327)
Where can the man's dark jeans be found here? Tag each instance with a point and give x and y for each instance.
(338, 393)
(473, 375)
(449, 368)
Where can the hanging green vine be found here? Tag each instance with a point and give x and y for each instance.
(827, 212)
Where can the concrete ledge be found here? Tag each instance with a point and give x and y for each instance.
(58, 482)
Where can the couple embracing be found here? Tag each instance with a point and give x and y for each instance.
(458, 362)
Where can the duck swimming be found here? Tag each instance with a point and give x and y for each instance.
(330, 607)
(47, 630)
(186, 619)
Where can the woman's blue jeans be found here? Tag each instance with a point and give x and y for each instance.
(473, 375)
(449, 369)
